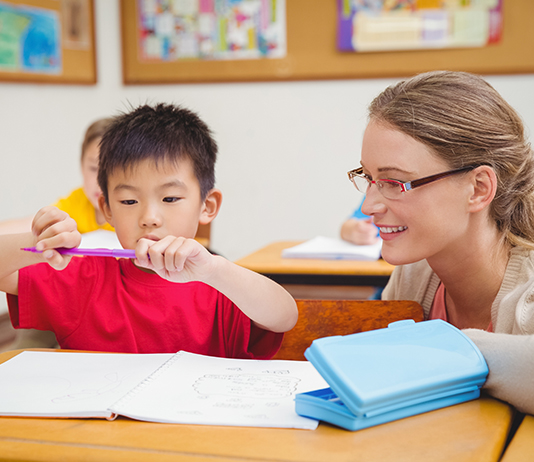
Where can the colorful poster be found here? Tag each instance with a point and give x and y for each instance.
(29, 40)
(384, 25)
(171, 30)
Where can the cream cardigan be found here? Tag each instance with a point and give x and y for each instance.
(509, 351)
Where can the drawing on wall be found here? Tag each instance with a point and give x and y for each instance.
(385, 25)
(29, 40)
(171, 30)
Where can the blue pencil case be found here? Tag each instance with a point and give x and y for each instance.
(387, 374)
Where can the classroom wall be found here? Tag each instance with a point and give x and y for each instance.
(285, 148)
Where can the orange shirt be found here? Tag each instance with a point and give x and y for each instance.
(439, 307)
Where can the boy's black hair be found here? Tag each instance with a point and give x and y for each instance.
(163, 132)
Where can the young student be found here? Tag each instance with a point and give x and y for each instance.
(157, 178)
(359, 229)
(449, 181)
(82, 203)
(82, 206)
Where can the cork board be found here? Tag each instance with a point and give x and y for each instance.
(312, 53)
(47, 41)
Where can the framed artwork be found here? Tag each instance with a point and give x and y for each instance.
(297, 40)
(47, 41)
(367, 25)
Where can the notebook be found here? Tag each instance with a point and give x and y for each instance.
(405, 369)
(327, 248)
(172, 388)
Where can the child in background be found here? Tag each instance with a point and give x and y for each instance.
(82, 203)
(82, 206)
(359, 229)
(157, 177)
(449, 180)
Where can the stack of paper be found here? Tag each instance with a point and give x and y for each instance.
(327, 248)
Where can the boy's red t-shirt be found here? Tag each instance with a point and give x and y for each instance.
(105, 304)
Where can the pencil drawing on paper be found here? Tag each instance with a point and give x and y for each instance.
(246, 385)
(109, 383)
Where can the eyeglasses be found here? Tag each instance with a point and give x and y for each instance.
(393, 189)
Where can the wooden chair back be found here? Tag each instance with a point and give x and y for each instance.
(203, 235)
(324, 318)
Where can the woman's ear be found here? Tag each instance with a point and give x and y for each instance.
(210, 208)
(484, 182)
(105, 209)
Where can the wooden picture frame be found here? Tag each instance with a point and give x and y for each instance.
(312, 53)
(74, 20)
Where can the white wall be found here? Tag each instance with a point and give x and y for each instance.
(285, 148)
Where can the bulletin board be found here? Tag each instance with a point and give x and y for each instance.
(47, 41)
(312, 53)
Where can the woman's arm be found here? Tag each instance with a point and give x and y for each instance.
(510, 360)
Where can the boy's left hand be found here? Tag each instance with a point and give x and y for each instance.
(176, 259)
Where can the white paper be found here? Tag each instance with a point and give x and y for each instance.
(55, 384)
(171, 388)
(327, 248)
(196, 389)
(100, 239)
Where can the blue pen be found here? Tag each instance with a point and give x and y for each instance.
(117, 253)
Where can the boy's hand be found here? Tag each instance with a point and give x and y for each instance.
(53, 229)
(176, 259)
(360, 232)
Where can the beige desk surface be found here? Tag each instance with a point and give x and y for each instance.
(521, 448)
(472, 432)
(269, 260)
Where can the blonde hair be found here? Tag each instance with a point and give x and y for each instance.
(465, 121)
(95, 131)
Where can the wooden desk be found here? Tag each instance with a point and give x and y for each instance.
(521, 448)
(470, 432)
(269, 261)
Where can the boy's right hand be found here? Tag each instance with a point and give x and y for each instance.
(53, 229)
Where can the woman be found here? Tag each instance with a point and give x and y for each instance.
(449, 181)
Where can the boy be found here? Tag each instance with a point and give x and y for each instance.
(157, 177)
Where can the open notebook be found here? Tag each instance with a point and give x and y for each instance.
(171, 388)
(328, 248)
